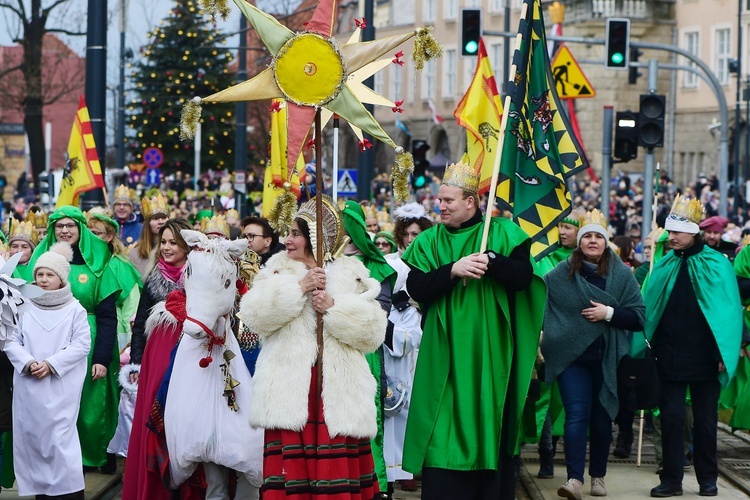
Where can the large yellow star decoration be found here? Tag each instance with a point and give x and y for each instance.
(311, 72)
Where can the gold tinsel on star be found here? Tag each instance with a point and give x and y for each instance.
(214, 7)
(426, 48)
(191, 113)
(281, 216)
(402, 168)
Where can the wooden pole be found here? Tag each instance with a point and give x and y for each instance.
(319, 249)
(500, 143)
(654, 206)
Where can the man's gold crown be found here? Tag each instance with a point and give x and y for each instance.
(688, 208)
(124, 193)
(25, 231)
(38, 219)
(593, 217)
(215, 225)
(462, 176)
(157, 204)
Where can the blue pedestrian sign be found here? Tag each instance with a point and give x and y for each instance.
(347, 183)
(153, 176)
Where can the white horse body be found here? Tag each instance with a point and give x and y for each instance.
(202, 424)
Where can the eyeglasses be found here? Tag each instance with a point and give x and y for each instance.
(70, 227)
(251, 236)
(382, 244)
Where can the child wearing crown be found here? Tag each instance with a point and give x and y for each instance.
(694, 324)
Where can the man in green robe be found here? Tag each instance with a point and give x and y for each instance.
(694, 323)
(482, 315)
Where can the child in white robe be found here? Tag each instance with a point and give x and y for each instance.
(48, 352)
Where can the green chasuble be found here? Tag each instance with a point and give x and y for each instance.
(737, 394)
(129, 280)
(23, 271)
(715, 286)
(469, 360)
(551, 261)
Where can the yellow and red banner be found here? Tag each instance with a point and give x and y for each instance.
(479, 113)
(276, 170)
(82, 169)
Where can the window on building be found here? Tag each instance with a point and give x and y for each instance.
(428, 81)
(402, 14)
(378, 83)
(396, 90)
(723, 54)
(450, 12)
(692, 39)
(496, 59)
(449, 74)
(429, 8)
(470, 64)
(497, 5)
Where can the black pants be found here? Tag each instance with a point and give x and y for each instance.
(705, 402)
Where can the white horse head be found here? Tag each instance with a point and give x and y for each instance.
(210, 280)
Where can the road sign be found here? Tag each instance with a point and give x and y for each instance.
(153, 157)
(153, 176)
(239, 181)
(347, 183)
(569, 79)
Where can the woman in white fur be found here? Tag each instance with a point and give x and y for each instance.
(281, 307)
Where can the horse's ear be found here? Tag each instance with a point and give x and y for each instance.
(235, 247)
(193, 238)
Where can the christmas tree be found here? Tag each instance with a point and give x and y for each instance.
(183, 59)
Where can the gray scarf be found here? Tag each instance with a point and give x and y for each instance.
(54, 299)
(567, 334)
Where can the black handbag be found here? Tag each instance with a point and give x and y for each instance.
(639, 379)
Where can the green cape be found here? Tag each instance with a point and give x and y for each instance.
(551, 261)
(470, 361)
(371, 256)
(714, 283)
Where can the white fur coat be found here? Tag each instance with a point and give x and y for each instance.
(276, 309)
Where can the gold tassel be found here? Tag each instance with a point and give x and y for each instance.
(400, 172)
(281, 216)
(191, 113)
(213, 7)
(426, 47)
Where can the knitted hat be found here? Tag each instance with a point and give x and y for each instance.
(593, 222)
(57, 259)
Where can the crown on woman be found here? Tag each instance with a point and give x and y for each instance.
(157, 204)
(37, 219)
(462, 176)
(593, 217)
(688, 208)
(24, 230)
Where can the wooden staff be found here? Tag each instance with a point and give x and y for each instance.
(318, 252)
(654, 206)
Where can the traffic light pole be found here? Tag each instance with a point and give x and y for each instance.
(606, 159)
(648, 162)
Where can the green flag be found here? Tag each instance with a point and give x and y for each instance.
(540, 151)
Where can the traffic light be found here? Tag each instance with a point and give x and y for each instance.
(651, 121)
(633, 71)
(617, 43)
(419, 150)
(471, 31)
(626, 135)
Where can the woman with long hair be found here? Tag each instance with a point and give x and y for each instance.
(155, 213)
(593, 301)
(149, 357)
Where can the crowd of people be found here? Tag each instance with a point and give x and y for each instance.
(416, 344)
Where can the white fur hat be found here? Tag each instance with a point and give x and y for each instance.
(57, 259)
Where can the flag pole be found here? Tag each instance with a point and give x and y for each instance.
(318, 252)
(335, 175)
(500, 145)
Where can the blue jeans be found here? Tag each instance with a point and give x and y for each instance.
(584, 415)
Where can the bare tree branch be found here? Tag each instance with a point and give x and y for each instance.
(7, 71)
(45, 12)
(64, 31)
(8, 6)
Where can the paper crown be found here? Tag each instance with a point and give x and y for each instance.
(370, 212)
(215, 225)
(593, 217)
(232, 214)
(38, 219)
(157, 204)
(24, 231)
(462, 176)
(745, 240)
(688, 208)
(124, 193)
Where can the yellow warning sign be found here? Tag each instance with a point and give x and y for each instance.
(568, 76)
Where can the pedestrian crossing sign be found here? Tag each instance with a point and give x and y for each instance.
(568, 76)
(347, 183)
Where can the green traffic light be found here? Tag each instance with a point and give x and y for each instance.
(472, 47)
(420, 181)
(617, 58)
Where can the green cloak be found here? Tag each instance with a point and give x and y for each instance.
(470, 361)
(714, 283)
(91, 283)
(737, 395)
(23, 271)
(551, 261)
(129, 280)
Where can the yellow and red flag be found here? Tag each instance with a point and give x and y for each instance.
(277, 170)
(479, 113)
(82, 169)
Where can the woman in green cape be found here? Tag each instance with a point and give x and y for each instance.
(95, 285)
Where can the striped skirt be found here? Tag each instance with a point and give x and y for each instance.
(310, 465)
